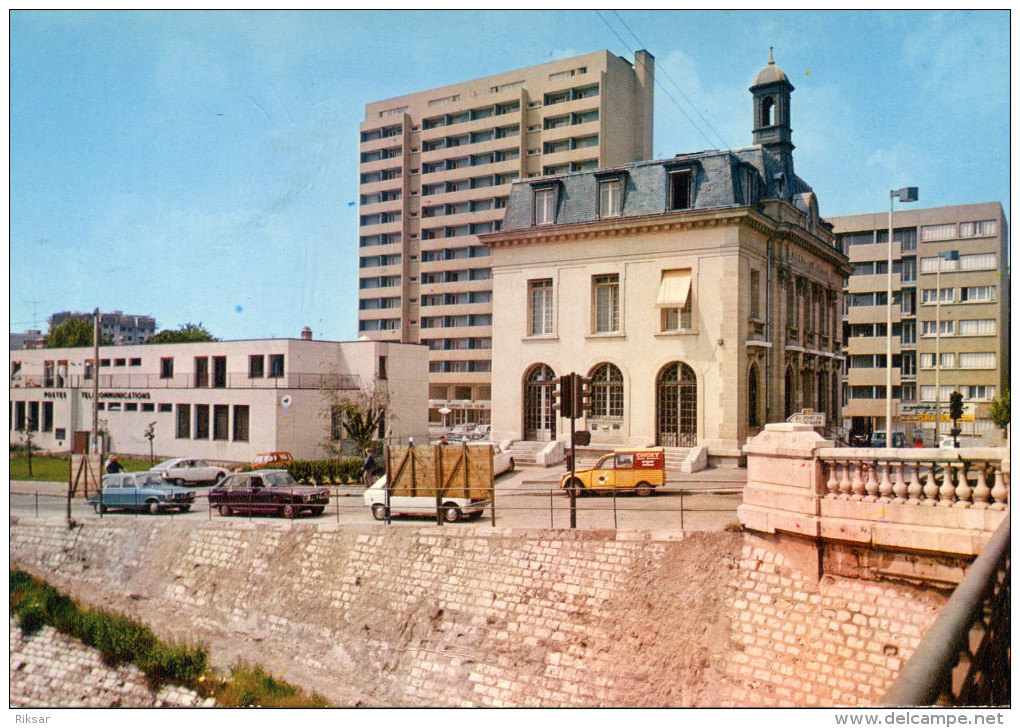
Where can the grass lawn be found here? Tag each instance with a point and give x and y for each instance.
(46, 468)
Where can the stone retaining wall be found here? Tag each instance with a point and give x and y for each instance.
(463, 616)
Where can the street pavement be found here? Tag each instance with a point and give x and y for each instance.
(527, 498)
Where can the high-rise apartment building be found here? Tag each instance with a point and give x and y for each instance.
(436, 170)
(950, 329)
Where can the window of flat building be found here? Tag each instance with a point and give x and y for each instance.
(977, 327)
(606, 303)
(47, 417)
(201, 422)
(977, 261)
(610, 197)
(944, 328)
(135, 362)
(33, 416)
(674, 300)
(164, 407)
(929, 295)
(977, 360)
(256, 366)
(545, 206)
(540, 307)
(221, 422)
(201, 371)
(276, 365)
(183, 421)
(148, 407)
(977, 229)
(166, 367)
(382, 367)
(975, 294)
(680, 190)
(930, 233)
(982, 392)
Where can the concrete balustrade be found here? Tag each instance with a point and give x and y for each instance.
(920, 514)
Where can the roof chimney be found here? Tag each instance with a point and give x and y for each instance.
(306, 334)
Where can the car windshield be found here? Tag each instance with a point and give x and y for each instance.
(278, 479)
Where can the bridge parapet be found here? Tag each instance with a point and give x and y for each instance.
(921, 514)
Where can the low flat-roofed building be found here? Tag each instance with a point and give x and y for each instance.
(223, 401)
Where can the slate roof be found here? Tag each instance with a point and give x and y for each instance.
(718, 183)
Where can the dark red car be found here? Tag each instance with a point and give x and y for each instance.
(267, 491)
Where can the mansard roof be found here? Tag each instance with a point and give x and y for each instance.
(718, 178)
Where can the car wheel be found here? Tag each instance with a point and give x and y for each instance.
(451, 513)
(155, 508)
(379, 512)
(577, 487)
(512, 466)
(219, 476)
(288, 511)
(100, 507)
(185, 509)
(179, 482)
(318, 510)
(644, 489)
(225, 510)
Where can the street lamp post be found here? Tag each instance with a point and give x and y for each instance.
(905, 194)
(945, 255)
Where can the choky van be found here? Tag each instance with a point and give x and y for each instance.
(638, 470)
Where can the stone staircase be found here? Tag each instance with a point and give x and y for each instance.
(674, 456)
(524, 451)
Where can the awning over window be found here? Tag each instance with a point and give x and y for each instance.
(675, 289)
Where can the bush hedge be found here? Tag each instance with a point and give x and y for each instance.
(323, 472)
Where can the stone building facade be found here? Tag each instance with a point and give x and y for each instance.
(701, 294)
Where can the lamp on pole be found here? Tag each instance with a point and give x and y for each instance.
(944, 255)
(905, 194)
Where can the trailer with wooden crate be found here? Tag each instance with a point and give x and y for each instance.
(452, 482)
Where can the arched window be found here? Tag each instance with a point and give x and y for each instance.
(767, 107)
(676, 406)
(606, 392)
(789, 391)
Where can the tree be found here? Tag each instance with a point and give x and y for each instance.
(352, 410)
(999, 413)
(73, 332)
(150, 435)
(185, 334)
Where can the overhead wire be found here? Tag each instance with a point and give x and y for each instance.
(662, 87)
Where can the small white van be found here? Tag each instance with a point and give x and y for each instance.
(454, 509)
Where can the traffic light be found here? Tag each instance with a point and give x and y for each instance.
(564, 397)
(955, 406)
(582, 395)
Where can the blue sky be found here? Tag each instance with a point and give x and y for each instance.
(200, 166)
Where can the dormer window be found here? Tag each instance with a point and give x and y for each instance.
(680, 190)
(610, 197)
(545, 205)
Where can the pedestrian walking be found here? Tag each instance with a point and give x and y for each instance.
(368, 468)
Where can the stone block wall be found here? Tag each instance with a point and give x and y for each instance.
(50, 669)
(474, 616)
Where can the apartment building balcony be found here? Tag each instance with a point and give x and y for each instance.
(383, 185)
(872, 345)
(878, 251)
(869, 408)
(872, 314)
(379, 165)
(382, 143)
(877, 282)
(875, 376)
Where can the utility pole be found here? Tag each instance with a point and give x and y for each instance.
(95, 382)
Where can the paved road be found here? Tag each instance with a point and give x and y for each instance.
(527, 498)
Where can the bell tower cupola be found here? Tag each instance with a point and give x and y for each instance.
(771, 94)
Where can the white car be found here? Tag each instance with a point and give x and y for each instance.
(454, 509)
(188, 471)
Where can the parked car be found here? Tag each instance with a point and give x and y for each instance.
(878, 439)
(141, 492)
(187, 471)
(267, 491)
(502, 460)
(454, 509)
(268, 460)
(633, 470)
